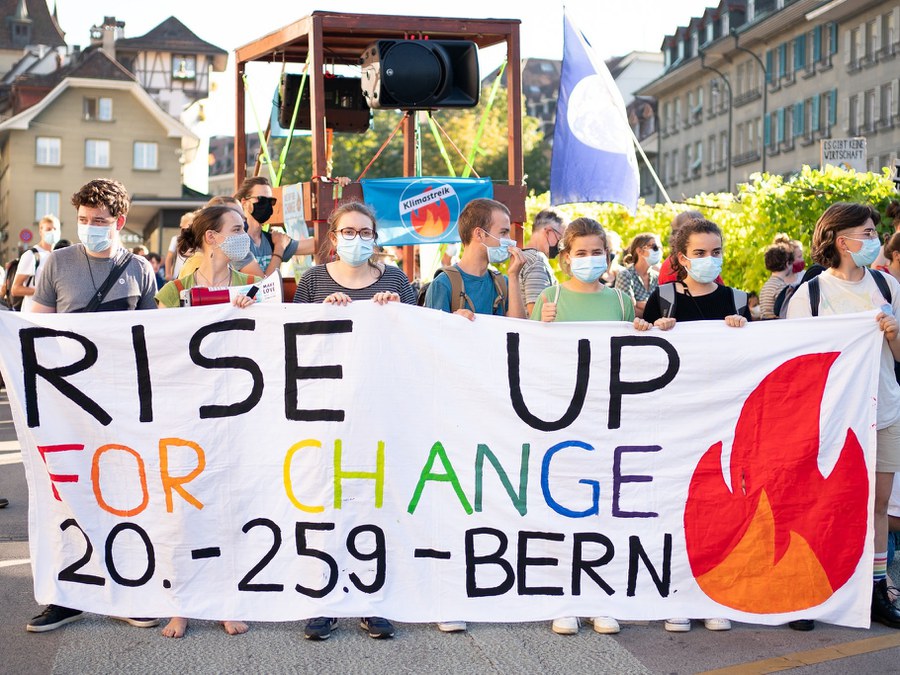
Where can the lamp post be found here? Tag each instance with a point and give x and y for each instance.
(765, 92)
(730, 109)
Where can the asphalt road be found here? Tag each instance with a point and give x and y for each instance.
(102, 645)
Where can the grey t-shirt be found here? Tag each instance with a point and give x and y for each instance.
(71, 277)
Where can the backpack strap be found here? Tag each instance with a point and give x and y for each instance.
(502, 289)
(667, 299)
(740, 300)
(814, 295)
(458, 297)
(882, 284)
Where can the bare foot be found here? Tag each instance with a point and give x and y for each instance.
(235, 627)
(175, 628)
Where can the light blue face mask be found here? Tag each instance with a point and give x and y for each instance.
(498, 254)
(356, 251)
(588, 269)
(654, 257)
(704, 270)
(96, 238)
(866, 255)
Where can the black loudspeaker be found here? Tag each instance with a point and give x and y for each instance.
(417, 74)
(345, 106)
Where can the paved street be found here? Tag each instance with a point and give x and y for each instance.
(102, 645)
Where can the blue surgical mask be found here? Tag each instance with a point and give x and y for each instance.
(498, 254)
(867, 254)
(51, 237)
(654, 257)
(704, 270)
(356, 251)
(589, 268)
(96, 238)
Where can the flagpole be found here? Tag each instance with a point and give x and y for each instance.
(659, 184)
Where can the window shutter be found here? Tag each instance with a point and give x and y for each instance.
(817, 44)
(814, 112)
(832, 110)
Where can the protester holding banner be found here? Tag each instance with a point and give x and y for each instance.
(536, 274)
(484, 228)
(353, 275)
(846, 242)
(247, 266)
(639, 278)
(217, 234)
(697, 261)
(80, 278)
(585, 257)
(667, 272)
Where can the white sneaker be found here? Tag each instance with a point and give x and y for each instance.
(451, 626)
(717, 624)
(567, 625)
(678, 625)
(606, 625)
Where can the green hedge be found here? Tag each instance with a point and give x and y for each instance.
(750, 219)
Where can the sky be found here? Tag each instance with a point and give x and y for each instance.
(615, 26)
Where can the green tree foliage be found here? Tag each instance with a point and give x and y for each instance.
(750, 219)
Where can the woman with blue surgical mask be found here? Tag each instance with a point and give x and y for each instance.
(640, 277)
(697, 261)
(584, 255)
(353, 274)
(217, 234)
(845, 241)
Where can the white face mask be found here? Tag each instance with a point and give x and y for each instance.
(51, 237)
(236, 247)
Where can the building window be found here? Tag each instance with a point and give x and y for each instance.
(869, 110)
(856, 46)
(871, 32)
(47, 151)
(887, 104)
(887, 33)
(98, 109)
(96, 154)
(698, 158)
(145, 156)
(184, 67)
(853, 117)
(723, 142)
(45, 203)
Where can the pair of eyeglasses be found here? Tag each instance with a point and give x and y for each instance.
(267, 200)
(349, 233)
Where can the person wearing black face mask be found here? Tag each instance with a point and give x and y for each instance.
(267, 249)
(537, 274)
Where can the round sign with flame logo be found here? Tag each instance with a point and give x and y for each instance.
(429, 208)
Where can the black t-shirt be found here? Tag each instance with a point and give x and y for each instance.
(716, 305)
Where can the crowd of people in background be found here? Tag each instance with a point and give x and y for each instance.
(229, 243)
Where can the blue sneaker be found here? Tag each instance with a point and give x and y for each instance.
(377, 627)
(319, 628)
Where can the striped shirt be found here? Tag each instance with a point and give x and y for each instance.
(536, 275)
(316, 284)
(767, 295)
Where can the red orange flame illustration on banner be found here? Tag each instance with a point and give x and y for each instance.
(783, 537)
(432, 219)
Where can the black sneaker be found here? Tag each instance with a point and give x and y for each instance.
(4, 502)
(377, 627)
(802, 624)
(52, 618)
(319, 628)
(883, 610)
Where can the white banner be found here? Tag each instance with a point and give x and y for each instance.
(286, 461)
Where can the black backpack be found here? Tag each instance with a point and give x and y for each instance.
(11, 301)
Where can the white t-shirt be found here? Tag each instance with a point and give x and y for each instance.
(27, 267)
(837, 296)
(179, 259)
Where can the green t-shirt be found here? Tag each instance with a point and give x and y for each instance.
(606, 305)
(168, 295)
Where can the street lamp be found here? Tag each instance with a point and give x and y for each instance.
(730, 107)
(765, 92)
